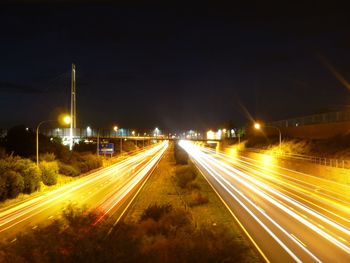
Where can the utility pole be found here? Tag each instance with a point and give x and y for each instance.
(73, 109)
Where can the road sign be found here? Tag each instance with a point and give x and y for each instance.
(106, 148)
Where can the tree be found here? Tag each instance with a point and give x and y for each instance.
(49, 172)
(15, 184)
(29, 171)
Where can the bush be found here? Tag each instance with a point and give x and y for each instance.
(88, 162)
(184, 175)
(198, 199)
(73, 238)
(11, 184)
(193, 186)
(155, 211)
(49, 172)
(68, 170)
(29, 171)
(47, 157)
(3, 187)
(15, 184)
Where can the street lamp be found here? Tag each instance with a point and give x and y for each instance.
(115, 128)
(98, 142)
(156, 132)
(66, 119)
(257, 126)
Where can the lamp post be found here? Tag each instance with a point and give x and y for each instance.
(257, 126)
(115, 128)
(66, 120)
(156, 132)
(98, 142)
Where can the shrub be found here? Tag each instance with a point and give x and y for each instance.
(48, 157)
(29, 171)
(184, 175)
(5, 165)
(68, 170)
(72, 238)
(49, 172)
(171, 222)
(155, 211)
(198, 199)
(15, 183)
(11, 184)
(193, 186)
(87, 162)
(3, 187)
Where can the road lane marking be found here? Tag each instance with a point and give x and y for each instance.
(321, 226)
(238, 221)
(297, 239)
(210, 170)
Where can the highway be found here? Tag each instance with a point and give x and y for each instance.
(107, 190)
(288, 216)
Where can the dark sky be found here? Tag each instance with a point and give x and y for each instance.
(172, 66)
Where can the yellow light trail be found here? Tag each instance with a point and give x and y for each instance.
(112, 183)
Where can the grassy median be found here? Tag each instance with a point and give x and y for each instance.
(168, 188)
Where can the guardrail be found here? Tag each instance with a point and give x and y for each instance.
(332, 162)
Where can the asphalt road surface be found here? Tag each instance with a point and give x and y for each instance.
(106, 190)
(288, 216)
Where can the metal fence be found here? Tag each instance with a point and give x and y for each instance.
(332, 162)
(329, 117)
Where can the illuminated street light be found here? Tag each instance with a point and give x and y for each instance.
(257, 126)
(115, 128)
(133, 133)
(66, 119)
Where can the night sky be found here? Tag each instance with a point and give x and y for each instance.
(171, 66)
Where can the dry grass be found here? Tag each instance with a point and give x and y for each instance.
(161, 189)
(158, 189)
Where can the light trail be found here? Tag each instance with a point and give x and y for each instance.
(278, 212)
(104, 189)
(130, 184)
